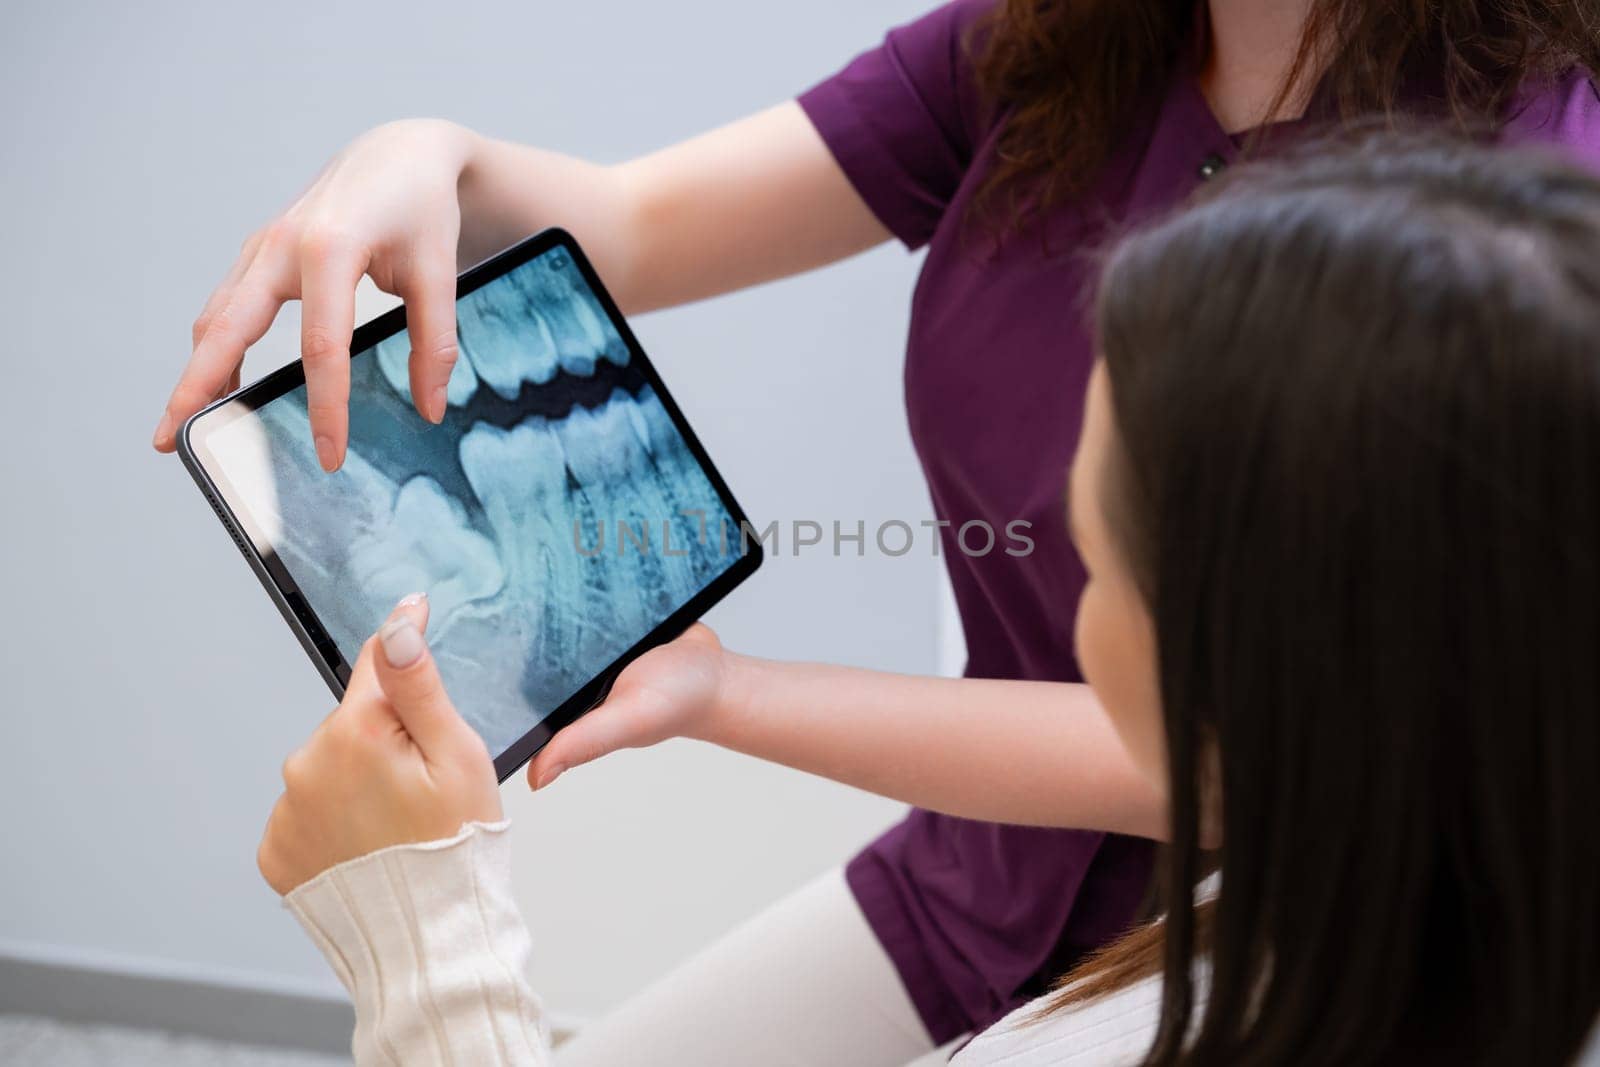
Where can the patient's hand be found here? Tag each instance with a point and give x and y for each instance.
(394, 764)
(668, 692)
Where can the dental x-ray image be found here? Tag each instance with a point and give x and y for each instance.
(555, 518)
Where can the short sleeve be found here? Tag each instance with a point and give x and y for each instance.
(1563, 112)
(904, 120)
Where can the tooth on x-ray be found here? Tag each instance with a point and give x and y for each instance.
(505, 346)
(428, 544)
(535, 323)
(394, 357)
(480, 513)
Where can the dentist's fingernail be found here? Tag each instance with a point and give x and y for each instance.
(163, 431)
(402, 642)
(436, 404)
(551, 775)
(411, 600)
(325, 453)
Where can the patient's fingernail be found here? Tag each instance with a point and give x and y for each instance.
(163, 431)
(325, 453)
(411, 600)
(436, 404)
(551, 775)
(402, 642)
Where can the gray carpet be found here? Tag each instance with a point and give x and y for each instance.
(26, 1041)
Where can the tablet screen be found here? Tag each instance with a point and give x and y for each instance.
(554, 519)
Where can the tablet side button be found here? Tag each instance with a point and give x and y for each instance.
(319, 637)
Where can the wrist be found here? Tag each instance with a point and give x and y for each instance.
(469, 148)
(482, 219)
(741, 679)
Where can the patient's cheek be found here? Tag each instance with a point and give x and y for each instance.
(1116, 651)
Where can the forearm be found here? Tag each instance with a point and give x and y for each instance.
(759, 199)
(428, 941)
(1037, 753)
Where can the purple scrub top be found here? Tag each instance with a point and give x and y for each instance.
(980, 917)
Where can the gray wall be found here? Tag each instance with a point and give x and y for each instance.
(150, 691)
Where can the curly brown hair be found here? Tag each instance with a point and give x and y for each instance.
(1068, 74)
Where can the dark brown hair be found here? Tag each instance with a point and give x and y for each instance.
(1357, 406)
(1068, 75)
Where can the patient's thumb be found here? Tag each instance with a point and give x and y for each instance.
(410, 679)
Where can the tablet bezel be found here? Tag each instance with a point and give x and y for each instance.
(260, 553)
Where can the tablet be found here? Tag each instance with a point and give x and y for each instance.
(563, 519)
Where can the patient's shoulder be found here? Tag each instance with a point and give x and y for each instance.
(1114, 1029)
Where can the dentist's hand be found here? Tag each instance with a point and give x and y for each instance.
(386, 206)
(671, 691)
(394, 764)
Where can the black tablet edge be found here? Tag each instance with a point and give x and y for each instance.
(308, 628)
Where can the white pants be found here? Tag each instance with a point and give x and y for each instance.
(803, 984)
